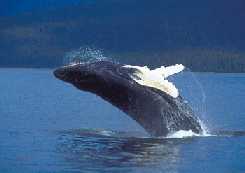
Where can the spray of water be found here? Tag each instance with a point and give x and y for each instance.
(192, 91)
(84, 55)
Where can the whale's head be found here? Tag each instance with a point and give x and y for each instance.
(96, 77)
(84, 76)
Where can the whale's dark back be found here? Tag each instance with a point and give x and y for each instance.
(153, 109)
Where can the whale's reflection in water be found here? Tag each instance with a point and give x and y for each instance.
(109, 151)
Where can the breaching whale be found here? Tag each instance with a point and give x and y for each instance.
(145, 95)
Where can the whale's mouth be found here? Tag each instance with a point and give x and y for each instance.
(157, 78)
(60, 73)
(73, 73)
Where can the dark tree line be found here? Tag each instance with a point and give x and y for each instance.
(205, 36)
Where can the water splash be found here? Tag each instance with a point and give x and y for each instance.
(187, 134)
(182, 134)
(191, 89)
(84, 55)
(194, 94)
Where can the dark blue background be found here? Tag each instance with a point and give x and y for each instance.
(39, 33)
(14, 7)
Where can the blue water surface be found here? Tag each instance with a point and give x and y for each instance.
(49, 126)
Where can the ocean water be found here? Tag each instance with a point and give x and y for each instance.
(48, 126)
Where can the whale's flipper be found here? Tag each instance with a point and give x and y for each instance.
(157, 78)
(169, 70)
(152, 107)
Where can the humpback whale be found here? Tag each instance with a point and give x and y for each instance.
(145, 95)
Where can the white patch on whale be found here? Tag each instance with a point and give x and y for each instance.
(156, 78)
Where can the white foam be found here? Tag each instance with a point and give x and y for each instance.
(205, 131)
(183, 134)
(188, 134)
(157, 77)
(106, 133)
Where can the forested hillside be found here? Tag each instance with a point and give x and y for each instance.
(203, 35)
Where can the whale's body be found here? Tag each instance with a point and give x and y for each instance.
(155, 110)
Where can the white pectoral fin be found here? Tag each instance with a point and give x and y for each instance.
(170, 70)
(157, 78)
(174, 69)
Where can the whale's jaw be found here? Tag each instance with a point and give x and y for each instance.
(156, 111)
